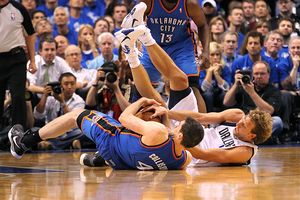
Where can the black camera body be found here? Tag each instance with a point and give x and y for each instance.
(56, 88)
(110, 69)
(247, 76)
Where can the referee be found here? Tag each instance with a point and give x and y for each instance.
(16, 32)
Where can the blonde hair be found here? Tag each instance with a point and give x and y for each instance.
(82, 27)
(215, 47)
(262, 125)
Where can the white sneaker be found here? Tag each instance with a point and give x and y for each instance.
(135, 17)
(128, 37)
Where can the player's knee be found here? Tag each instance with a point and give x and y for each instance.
(74, 114)
(180, 78)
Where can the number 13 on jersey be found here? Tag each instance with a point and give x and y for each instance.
(165, 38)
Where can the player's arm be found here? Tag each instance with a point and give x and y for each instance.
(153, 132)
(197, 15)
(229, 115)
(240, 154)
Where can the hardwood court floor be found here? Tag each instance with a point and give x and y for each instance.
(273, 174)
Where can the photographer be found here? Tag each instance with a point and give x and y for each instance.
(247, 93)
(59, 98)
(100, 97)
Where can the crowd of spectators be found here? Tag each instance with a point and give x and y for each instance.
(76, 52)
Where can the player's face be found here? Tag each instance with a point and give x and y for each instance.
(243, 130)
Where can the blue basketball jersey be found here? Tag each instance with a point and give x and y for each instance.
(171, 30)
(169, 27)
(123, 148)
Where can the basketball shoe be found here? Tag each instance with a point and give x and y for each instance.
(128, 37)
(15, 135)
(135, 17)
(92, 160)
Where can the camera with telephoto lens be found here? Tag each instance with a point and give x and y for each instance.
(56, 88)
(247, 76)
(110, 69)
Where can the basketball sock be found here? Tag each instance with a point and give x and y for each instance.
(133, 59)
(147, 38)
(31, 139)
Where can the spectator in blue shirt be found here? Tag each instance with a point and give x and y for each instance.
(48, 9)
(251, 52)
(87, 44)
(273, 43)
(229, 44)
(101, 25)
(62, 27)
(286, 28)
(236, 19)
(257, 93)
(94, 9)
(214, 81)
(106, 43)
(77, 16)
(119, 13)
(289, 73)
(36, 16)
(289, 68)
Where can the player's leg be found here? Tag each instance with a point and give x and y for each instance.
(128, 38)
(200, 101)
(22, 141)
(163, 63)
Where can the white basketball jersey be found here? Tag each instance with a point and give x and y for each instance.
(222, 137)
(187, 103)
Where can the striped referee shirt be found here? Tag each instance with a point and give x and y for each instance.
(15, 22)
